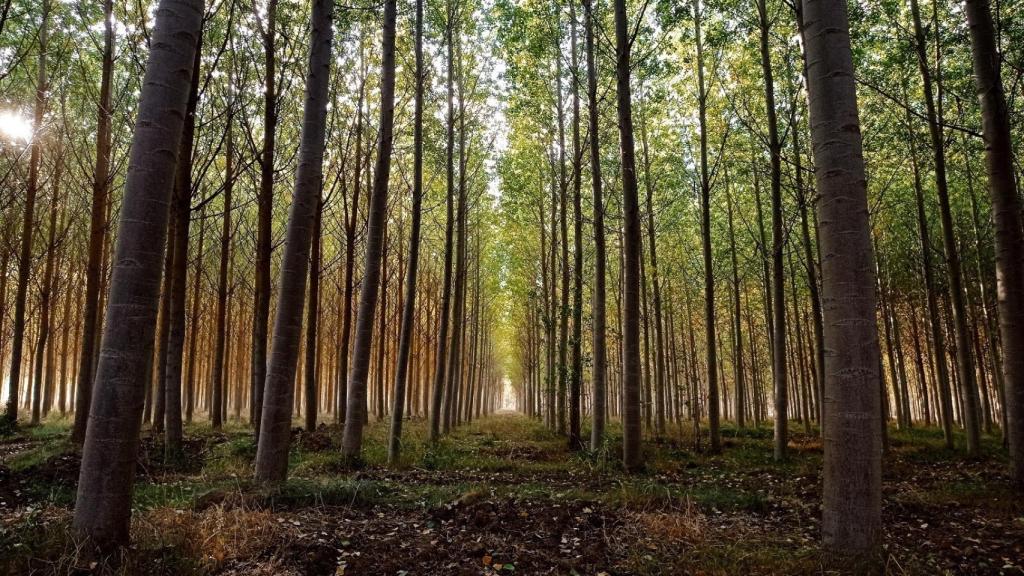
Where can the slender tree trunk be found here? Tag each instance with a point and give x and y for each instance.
(182, 209)
(341, 392)
(71, 325)
(163, 331)
(382, 344)
(659, 338)
(851, 518)
(437, 394)
(809, 246)
(931, 293)
(275, 427)
(103, 505)
(455, 348)
(219, 356)
(97, 231)
(190, 383)
(45, 296)
(264, 223)
(766, 276)
(1006, 215)
(632, 457)
(312, 320)
(28, 220)
(563, 186)
(737, 327)
(779, 375)
(576, 375)
(600, 352)
(961, 332)
(709, 275)
(377, 215)
(409, 306)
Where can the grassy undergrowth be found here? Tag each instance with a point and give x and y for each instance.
(735, 512)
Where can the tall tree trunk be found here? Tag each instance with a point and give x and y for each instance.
(70, 324)
(737, 327)
(455, 348)
(313, 319)
(382, 343)
(632, 457)
(46, 294)
(275, 426)
(377, 215)
(576, 375)
(351, 217)
(551, 296)
(409, 306)
(163, 331)
(219, 357)
(103, 504)
(659, 338)
(190, 382)
(961, 332)
(97, 232)
(600, 351)
(709, 274)
(563, 186)
(28, 220)
(264, 222)
(1006, 216)
(810, 248)
(931, 294)
(779, 375)
(762, 247)
(437, 393)
(852, 511)
(182, 209)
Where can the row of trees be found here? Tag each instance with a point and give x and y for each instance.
(166, 317)
(843, 285)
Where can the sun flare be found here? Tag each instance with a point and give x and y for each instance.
(15, 127)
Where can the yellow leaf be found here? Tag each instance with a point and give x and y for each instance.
(487, 560)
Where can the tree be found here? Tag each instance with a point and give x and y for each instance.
(778, 240)
(265, 202)
(600, 351)
(103, 504)
(97, 231)
(220, 346)
(576, 373)
(454, 372)
(353, 438)
(437, 394)
(409, 306)
(1006, 216)
(632, 458)
(28, 220)
(737, 327)
(563, 211)
(705, 214)
(964, 359)
(181, 208)
(311, 375)
(852, 511)
(275, 427)
(46, 293)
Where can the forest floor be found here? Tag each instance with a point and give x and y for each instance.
(504, 496)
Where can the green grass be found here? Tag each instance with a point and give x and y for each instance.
(512, 457)
(40, 454)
